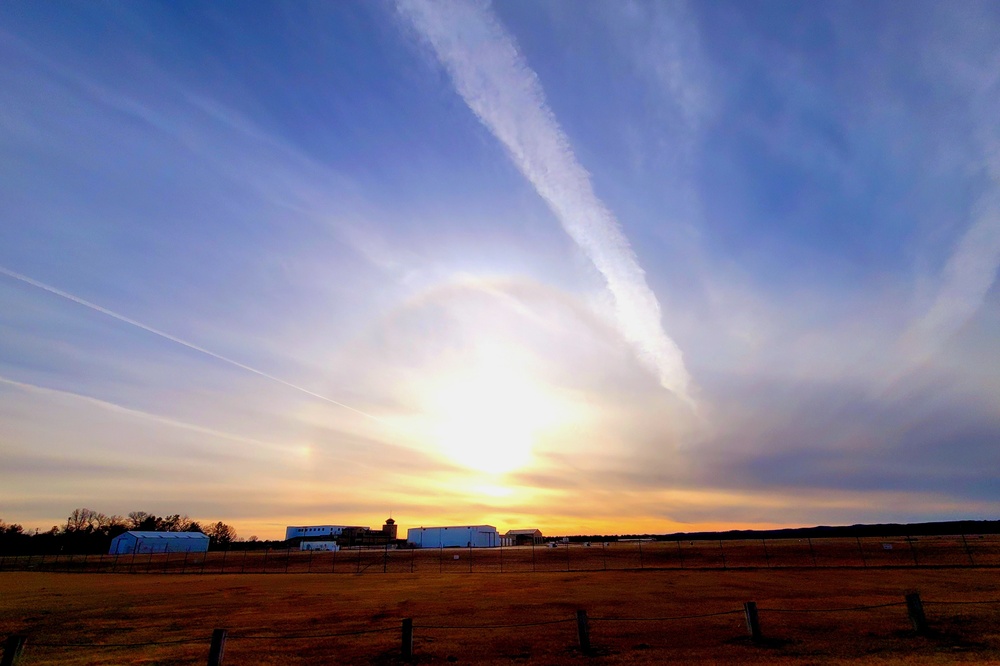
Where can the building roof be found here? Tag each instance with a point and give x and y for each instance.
(166, 535)
(326, 527)
(531, 531)
(455, 527)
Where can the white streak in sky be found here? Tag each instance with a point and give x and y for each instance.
(167, 336)
(967, 277)
(500, 88)
(104, 404)
(972, 267)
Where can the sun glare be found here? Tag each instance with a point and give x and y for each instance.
(489, 418)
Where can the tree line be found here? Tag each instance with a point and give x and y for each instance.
(89, 531)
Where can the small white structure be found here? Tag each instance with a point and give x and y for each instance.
(320, 545)
(469, 536)
(159, 542)
(292, 532)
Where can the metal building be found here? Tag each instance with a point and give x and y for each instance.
(522, 537)
(159, 542)
(469, 536)
(308, 531)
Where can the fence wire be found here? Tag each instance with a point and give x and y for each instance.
(288, 637)
(663, 619)
(831, 610)
(481, 627)
(179, 641)
(492, 626)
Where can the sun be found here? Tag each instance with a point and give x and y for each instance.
(489, 417)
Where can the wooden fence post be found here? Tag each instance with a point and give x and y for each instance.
(913, 551)
(968, 551)
(12, 648)
(583, 630)
(641, 566)
(767, 558)
(217, 648)
(753, 620)
(861, 551)
(723, 551)
(407, 646)
(915, 608)
(812, 551)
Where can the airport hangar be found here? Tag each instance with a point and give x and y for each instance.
(468, 536)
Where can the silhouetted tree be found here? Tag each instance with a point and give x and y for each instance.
(220, 534)
(136, 519)
(82, 520)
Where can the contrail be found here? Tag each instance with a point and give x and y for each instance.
(501, 89)
(114, 407)
(969, 273)
(172, 338)
(972, 267)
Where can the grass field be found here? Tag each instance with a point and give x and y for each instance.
(773, 553)
(55, 610)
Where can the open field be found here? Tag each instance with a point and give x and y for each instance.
(264, 613)
(980, 550)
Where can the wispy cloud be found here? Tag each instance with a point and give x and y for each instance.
(970, 271)
(128, 411)
(149, 329)
(971, 267)
(502, 90)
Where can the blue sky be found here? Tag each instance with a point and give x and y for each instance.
(586, 266)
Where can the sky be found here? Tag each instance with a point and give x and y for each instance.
(590, 267)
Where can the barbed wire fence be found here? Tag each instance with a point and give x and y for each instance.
(16, 646)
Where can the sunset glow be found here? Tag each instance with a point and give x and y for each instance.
(583, 267)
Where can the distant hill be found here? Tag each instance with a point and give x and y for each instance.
(826, 531)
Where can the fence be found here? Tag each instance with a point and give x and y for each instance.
(15, 646)
(924, 551)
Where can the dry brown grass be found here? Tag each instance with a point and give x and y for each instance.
(777, 553)
(112, 608)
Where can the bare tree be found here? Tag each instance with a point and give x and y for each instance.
(220, 533)
(137, 518)
(178, 523)
(81, 520)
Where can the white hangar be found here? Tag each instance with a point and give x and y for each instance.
(159, 542)
(468, 536)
